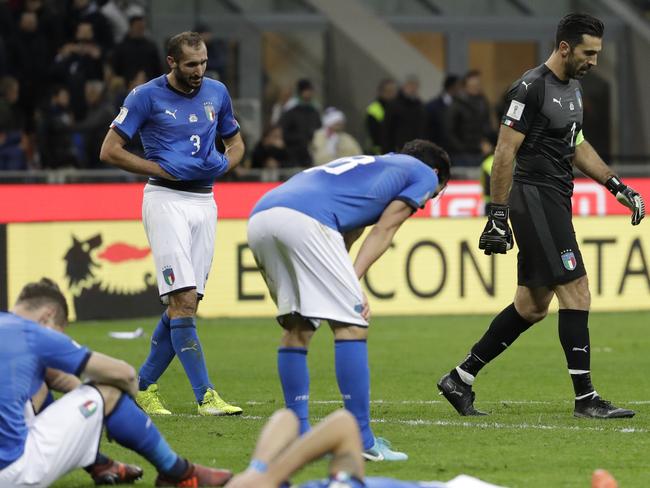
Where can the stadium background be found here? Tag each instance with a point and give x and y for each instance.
(77, 221)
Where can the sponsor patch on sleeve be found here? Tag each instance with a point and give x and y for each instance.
(515, 110)
(122, 115)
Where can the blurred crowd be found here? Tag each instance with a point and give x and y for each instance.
(66, 66)
(460, 119)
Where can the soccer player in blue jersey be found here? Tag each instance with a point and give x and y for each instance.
(37, 450)
(179, 116)
(300, 234)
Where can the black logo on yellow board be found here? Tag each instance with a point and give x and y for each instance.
(92, 279)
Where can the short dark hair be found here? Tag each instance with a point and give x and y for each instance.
(45, 292)
(573, 26)
(473, 73)
(187, 38)
(304, 84)
(450, 80)
(430, 154)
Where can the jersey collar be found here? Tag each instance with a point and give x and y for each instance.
(182, 94)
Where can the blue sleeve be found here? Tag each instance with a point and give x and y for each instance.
(421, 186)
(133, 114)
(56, 350)
(227, 125)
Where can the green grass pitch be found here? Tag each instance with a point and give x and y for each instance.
(530, 439)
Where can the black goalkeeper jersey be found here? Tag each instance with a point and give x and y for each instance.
(549, 112)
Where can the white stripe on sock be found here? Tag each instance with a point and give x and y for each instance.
(579, 371)
(592, 394)
(465, 376)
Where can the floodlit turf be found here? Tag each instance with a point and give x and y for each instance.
(529, 440)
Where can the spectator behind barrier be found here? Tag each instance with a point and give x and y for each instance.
(331, 141)
(376, 115)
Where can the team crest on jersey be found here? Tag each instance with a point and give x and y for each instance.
(579, 98)
(210, 113)
(193, 118)
(88, 408)
(571, 106)
(168, 275)
(569, 259)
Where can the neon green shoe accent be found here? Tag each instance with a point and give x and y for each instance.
(149, 400)
(212, 404)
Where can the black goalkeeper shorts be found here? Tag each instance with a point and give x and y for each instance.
(548, 250)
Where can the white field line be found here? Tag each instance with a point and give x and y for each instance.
(499, 425)
(471, 425)
(434, 402)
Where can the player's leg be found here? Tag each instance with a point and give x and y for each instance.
(104, 470)
(168, 234)
(271, 241)
(132, 428)
(63, 437)
(530, 306)
(292, 365)
(575, 299)
(203, 233)
(160, 356)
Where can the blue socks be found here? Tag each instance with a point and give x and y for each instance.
(160, 354)
(188, 349)
(294, 376)
(353, 376)
(132, 428)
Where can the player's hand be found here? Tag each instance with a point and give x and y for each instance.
(497, 236)
(628, 197)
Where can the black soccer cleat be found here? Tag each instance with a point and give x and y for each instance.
(597, 408)
(459, 394)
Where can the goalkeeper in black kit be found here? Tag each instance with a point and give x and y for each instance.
(542, 132)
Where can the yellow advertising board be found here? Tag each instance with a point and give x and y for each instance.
(433, 267)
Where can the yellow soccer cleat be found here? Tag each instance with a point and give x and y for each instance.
(149, 400)
(212, 404)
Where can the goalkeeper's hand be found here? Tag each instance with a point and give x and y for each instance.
(628, 197)
(497, 236)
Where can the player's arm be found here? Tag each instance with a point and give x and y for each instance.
(504, 155)
(113, 153)
(588, 161)
(381, 235)
(58, 380)
(234, 150)
(106, 370)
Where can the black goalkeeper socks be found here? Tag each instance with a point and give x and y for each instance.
(574, 335)
(503, 331)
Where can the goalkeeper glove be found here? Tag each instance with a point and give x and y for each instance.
(628, 197)
(497, 236)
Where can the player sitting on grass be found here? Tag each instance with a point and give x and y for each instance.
(36, 451)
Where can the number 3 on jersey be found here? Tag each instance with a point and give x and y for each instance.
(342, 165)
(196, 142)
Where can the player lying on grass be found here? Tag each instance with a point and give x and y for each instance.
(300, 234)
(36, 451)
(280, 452)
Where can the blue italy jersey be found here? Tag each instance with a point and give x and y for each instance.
(26, 350)
(179, 130)
(353, 192)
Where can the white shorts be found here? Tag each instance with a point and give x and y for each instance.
(64, 437)
(306, 267)
(181, 228)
